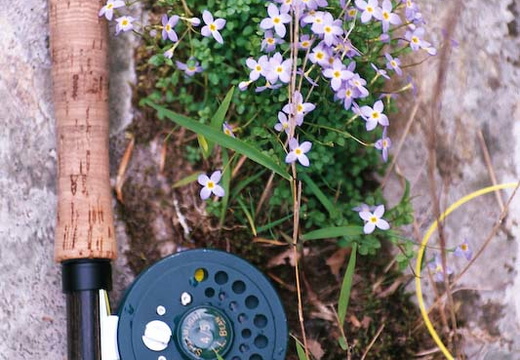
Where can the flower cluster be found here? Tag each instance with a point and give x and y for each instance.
(167, 28)
(321, 50)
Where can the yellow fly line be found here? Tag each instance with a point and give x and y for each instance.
(420, 255)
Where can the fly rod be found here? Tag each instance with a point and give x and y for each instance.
(85, 239)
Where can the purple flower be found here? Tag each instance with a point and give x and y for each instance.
(243, 85)
(329, 28)
(283, 123)
(227, 129)
(191, 68)
(414, 37)
(411, 10)
(257, 67)
(169, 53)
(305, 42)
(438, 270)
(337, 73)
(315, 18)
(380, 72)
(359, 83)
(269, 42)
(383, 144)
(193, 21)
(463, 250)
(212, 26)
(167, 27)
(320, 54)
(210, 185)
(313, 4)
(370, 9)
(374, 116)
(275, 20)
(278, 68)
(374, 219)
(108, 9)
(298, 108)
(298, 152)
(347, 94)
(393, 63)
(124, 24)
(386, 16)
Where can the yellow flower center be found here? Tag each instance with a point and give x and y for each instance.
(320, 55)
(279, 69)
(393, 63)
(415, 39)
(386, 15)
(337, 74)
(210, 184)
(464, 247)
(270, 41)
(110, 6)
(227, 132)
(352, 12)
(167, 27)
(373, 219)
(305, 44)
(348, 93)
(327, 29)
(385, 143)
(212, 27)
(299, 108)
(375, 115)
(369, 9)
(258, 68)
(298, 151)
(277, 20)
(124, 22)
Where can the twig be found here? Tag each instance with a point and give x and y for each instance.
(489, 165)
(379, 331)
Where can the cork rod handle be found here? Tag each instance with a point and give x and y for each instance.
(78, 36)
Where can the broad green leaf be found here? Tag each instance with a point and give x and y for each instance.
(346, 286)
(216, 122)
(220, 138)
(187, 180)
(332, 232)
(343, 343)
(204, 146)
(324, 200)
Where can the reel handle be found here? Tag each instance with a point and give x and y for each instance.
(78, 37)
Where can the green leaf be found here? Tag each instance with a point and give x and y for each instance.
(273, 223)
(346, 286)
(187, 180)
(301, 351)
(220, 138)
(226, 180)
(217, 120)
(324, 200)
(332, 232)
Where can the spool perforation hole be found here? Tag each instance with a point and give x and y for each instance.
(246, 333)
(209, 292)
(252, 302)
(238, 287)
(261, 341)
(260, 321)
(221, 277)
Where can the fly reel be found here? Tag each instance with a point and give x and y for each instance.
(202, 305)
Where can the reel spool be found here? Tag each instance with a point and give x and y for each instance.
(196, 304)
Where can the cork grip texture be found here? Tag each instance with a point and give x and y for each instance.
(80, 83)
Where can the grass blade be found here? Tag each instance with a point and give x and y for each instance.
(218, 119)
(187, 180)
(333, 232)
(222, 139)
(324, 200)
(346, 286)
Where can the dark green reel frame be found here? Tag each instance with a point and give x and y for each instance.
(212, 302)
